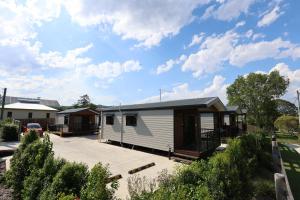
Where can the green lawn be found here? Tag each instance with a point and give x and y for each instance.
(291, 161)
(287, 138)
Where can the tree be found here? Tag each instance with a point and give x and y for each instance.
(287, 124)
(256, 93)
(285, 107)
(84, 102)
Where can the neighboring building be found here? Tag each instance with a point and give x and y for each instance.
(29, 113)
(77, 121)
(234, 121)
(187, 127)
(49, 103)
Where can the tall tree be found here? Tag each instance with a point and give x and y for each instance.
(285, 107)
(257, 93)
(84, 102)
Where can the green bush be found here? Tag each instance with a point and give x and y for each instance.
(95, 188)
(287, 124)
(9, 132)
(68, 180)
(30, 156)
(40, 179)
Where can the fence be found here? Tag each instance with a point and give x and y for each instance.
(282, 186)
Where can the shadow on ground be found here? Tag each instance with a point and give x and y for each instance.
(291, 161)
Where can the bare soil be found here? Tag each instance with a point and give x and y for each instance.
(5, 193)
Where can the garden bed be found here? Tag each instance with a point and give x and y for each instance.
(5, 193)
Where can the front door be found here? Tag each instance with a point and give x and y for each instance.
(189, 132)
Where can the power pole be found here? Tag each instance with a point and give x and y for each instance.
(3, 103)
(298, 97)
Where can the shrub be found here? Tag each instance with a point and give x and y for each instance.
(68, 180)
(40, 179)
(30, 156)
(264, 189)
(9, 132)
(95, 188)
(287, 124)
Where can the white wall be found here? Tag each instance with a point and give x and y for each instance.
(23, 114)
(154, 129)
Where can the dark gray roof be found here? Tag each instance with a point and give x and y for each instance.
(205, 102)
(46, 102)
(74, 110)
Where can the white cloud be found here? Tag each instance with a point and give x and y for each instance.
(110, 70)
(197, 39)
(245, 53)
(257, 36)
(214, 51)
(239, 24)
(72, 59)
(148, 22)
(270, 17)
(228, 10)
(216, 89)
(170, 64)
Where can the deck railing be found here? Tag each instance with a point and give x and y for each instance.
(208, 139)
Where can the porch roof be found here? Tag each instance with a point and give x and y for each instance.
(201, 102)
(76, 110)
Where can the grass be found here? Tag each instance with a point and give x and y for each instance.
(291, 161)
(287, 138)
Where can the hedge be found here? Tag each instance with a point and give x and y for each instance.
(9, 132)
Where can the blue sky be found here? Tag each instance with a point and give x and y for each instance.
(125, 51)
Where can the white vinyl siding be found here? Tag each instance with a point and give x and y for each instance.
(207, 120)
(154, 129)
(23, 114)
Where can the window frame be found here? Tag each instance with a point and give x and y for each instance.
(131, 119)
(47, 115)
(110, 121)
(9, 114)
(66, 120)
(30, 115)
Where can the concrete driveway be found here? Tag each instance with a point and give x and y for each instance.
(89, 150)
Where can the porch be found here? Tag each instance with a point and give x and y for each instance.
(196, 132)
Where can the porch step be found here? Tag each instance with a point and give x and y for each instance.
(181, 160)
(185, 156)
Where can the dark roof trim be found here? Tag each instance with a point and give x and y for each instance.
(185, 103)
(75, 110)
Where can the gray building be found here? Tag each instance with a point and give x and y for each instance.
(185, 127)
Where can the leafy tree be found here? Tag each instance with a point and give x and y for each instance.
(84, 102)
(287, 124)
(256, 93)
(285, 107)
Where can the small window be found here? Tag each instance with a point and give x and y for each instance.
(131, 120)
(9, 114)
(30, 115)
(47, 115)
(66, 119)
(109, 119)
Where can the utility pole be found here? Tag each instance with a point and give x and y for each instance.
(3, 103)
(298, 97)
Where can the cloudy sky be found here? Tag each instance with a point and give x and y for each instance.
(125, 51)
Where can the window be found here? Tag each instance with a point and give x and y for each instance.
(131, 120)
(109, 119)
(30, 115)
(9, 114)
(66, 119)
(47, 115)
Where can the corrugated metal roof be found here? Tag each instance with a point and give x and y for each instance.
(28, 106)
(176, 103)
(50, 103)
(74, 110)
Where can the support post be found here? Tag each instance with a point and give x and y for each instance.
(3, 103)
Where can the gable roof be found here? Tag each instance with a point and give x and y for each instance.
(46, 102)
(202, 102)
(235, 109)
(75, 110)
(28, 106)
